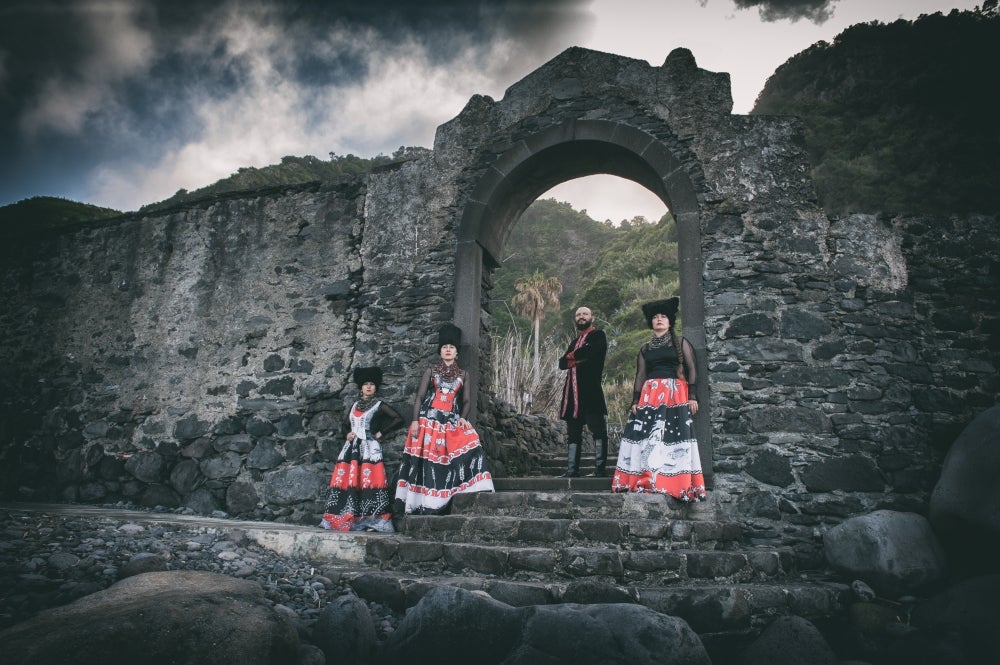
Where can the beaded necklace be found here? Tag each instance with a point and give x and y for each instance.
(661, 341)
(447, 372)
(365, 403)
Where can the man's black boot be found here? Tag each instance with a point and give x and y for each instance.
(601, 458)
(572, 461)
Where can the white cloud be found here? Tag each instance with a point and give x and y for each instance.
(401, 101)
(117, 48)
(606, 197)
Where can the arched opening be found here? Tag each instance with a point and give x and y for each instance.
(599, 241)
(534, 165)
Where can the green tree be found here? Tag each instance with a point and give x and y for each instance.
(535, 295)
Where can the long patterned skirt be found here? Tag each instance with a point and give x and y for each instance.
(358, 499)
(658, 451)
(442, 460)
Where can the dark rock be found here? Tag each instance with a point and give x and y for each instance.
(587, 592)
(264, 456)
(186, 476)
(147, 467)
(770, 467)
(291, 485)
(850, 474)
(159, 495)
(960, 624)
(190, 427)
(565, 633)
(797, 324)
(161, 617)
(237, 443)
(226, 465)
(345, 631)
(789, 641)
(143, 562)
(896, 553)
(258, 428)
(963, 505)
(202, 501)
(241, 498)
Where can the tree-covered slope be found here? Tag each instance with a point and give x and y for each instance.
(291, 171)
(611, 269)
(900, 117)
(45, 213)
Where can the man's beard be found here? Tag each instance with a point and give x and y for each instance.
(583, 325)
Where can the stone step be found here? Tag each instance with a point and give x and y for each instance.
(553, 484)
(569, 501)
(713, 610)
(616, 532)
(559, 463)
(567, 562)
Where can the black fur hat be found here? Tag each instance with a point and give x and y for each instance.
(449, 334)
(667, 307)
(364, 374)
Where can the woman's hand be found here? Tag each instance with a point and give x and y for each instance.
(633, 409)
(464, 424)
(350, 436)
(414, 429)
(693, 405)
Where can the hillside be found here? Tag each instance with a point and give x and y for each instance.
(291, 171)
(45, 213)
(900, 117)
(610, 269)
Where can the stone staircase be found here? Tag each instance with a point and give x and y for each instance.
(543, 540)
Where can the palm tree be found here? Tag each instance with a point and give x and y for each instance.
(535, 295)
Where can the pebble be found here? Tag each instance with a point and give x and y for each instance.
(49, 560)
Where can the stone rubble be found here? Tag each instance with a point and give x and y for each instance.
(48, 561)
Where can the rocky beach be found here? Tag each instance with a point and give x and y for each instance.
(50, 560)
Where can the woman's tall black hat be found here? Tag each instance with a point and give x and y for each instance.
(449, 334)
(365, 374)
(666, 307)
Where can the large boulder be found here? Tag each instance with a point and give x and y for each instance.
(960, 624)
(345, 631)
(180, 618)
(965, 503)
(789, 640)
(896, 553)
(452, 623)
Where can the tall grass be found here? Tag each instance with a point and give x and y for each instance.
(514, 382)
(514, 379)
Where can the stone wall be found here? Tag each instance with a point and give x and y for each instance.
(201, 356)
(838, 393)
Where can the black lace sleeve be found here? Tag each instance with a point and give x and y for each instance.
(425, 382)
(465, 405)
(690, 367)
(389, 419)
(640, 375)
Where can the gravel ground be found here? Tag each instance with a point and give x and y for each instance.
(49, 560)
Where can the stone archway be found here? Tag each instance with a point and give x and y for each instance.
(573, 149)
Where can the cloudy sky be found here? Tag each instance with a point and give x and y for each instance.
(121, 103)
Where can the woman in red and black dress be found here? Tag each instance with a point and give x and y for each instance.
(358, 499)
(658, 451)
(443, 456)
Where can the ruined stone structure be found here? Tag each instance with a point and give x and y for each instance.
(200, 356)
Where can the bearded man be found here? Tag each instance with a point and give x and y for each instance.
(583, 397)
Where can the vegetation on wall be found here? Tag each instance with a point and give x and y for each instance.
(900, 117)
(291, 171)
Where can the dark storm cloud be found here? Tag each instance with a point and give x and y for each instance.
(113, 83)
(817, 11)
